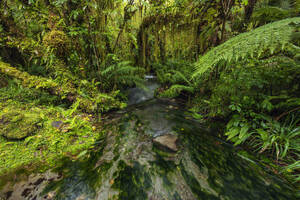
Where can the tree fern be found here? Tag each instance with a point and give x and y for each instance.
(267, 39)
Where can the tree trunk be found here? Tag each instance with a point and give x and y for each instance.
(249, 9)
(223, 29)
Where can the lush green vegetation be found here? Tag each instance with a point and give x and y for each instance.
(64, 63)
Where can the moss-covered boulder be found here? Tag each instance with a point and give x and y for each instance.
(3, 81)
(57, 40)
(16, 125)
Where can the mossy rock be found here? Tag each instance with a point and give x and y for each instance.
(15, 125)
(3, 81)
(58, 40)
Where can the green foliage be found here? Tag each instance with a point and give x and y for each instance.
(34, 81)
(63, 59)
(280, 139)
(261, 42)
(245, 94)
(269, 14)
(88, 96)
(176, 76)
(254, 84)
(122, 74)
(265, 135)
(294, 167)
(176, 90)
(252, 79)
(14, 90)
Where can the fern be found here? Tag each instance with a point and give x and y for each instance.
(122, 67)
(176, 75)
(175, 90)
(179, 77)
(267, 39)
(173, 72)
(269, 14)
(122, 74)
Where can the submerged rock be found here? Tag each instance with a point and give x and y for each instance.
(166, 141)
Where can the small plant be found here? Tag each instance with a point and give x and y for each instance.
(281, 141)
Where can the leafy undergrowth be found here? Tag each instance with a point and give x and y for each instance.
(57, 133)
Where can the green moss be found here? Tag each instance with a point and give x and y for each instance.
(132, 182)
(195, 186)
(37, 82)
(162, 153)
(49, 144)
(163, 166)
(57, 40)
(17, 125)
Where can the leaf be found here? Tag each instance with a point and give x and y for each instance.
(286, 147)
(83, 153)
(232, 133)
(263, 134)
(243, 131)
(271, 36)
(28, 139)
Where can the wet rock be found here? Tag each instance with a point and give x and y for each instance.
(31, 187)
(8, 194)
(137, 95)
(166, 142)
(26, 192)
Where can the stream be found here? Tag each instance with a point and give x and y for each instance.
(154, 151)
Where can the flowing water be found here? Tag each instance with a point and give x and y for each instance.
(154, 152)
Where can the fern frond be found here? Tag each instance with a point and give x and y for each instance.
(266, 39)
(125, 70)
(268, 14)
(123, 73)
(130, 80)
(175, 90)
(179, 76)
(108, 70)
